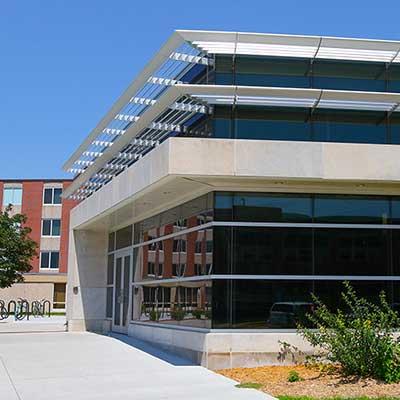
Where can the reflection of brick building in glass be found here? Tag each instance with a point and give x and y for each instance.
(179, 256)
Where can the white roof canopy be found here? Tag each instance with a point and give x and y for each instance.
(132, 126)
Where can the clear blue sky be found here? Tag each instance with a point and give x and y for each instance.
(63, 63)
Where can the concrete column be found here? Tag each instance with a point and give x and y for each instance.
(87, 272)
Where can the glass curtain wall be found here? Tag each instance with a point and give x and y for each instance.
(304, 73)
(298, 124)
(290, 246)
(251, 260)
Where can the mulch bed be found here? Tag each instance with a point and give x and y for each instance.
(315, 382)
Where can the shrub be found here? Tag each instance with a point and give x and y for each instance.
(178, 313)
(197, 313)
(294, 376)
(154, 315)
(361, 341)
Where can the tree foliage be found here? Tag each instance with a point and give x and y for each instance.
(16, 248)
(361, 339)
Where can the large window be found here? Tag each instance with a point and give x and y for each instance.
(255, 265)
(12, 195)
(299, 124)
(52, 196)
(51, 227)
(281, 304)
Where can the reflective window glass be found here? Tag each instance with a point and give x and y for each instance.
(349, 126)
(343, 75)
(394, 78)
(46, 227)
(56, 227)
(351, 209)
(44, 259)
(110, 269)
(123, 237)
(54, 260)
(48, 196)
(12, 195)
(263, 304)
(352, 252)
(267, 251)
(111, 241)
(259, 207)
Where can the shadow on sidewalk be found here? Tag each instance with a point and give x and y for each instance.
(153, 350)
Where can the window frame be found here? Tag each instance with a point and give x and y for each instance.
(52, 196)
(50, 253)
(51, 227)
(13, 188)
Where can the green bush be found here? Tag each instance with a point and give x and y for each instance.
(178, 313)
(154, 315)
(197, 313)
(360, 340)
(294, 376)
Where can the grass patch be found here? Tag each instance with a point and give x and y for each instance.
(249, 385)
(335, 398)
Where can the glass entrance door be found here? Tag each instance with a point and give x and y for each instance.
(121, 291)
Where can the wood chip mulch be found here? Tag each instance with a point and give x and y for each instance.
(315, 382)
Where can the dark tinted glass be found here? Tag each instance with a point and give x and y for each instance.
(349, 209)
(396, 251)
(272, 123)
(56, 227)
(394, 78)
(45, 259)
(263, 71)
(262, 207)
(110, 269)
(352, 252)
(262, 304)
(46, 227)
(123, 237)
(48, 196)
(109, 302)
(267, 251)
(54, 260)
(111, 241)
(57, 196)
(349, 126)
(395, 204)
(350, 75)
(394, 127)
(330, 292)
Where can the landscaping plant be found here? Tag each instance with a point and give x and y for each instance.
(294, 376)
(361, 340)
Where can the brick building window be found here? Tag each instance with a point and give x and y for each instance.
(49, 259)
(51, 227)
(52, 196)
(12, 195)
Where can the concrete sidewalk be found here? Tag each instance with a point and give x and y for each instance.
(39, 324)
(79, 366)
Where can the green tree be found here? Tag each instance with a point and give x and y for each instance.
(16, 248)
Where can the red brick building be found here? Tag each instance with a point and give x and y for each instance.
(48, 217)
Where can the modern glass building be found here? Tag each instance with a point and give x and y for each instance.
(238, 174)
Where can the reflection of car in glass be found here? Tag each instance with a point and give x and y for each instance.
(289, 314)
